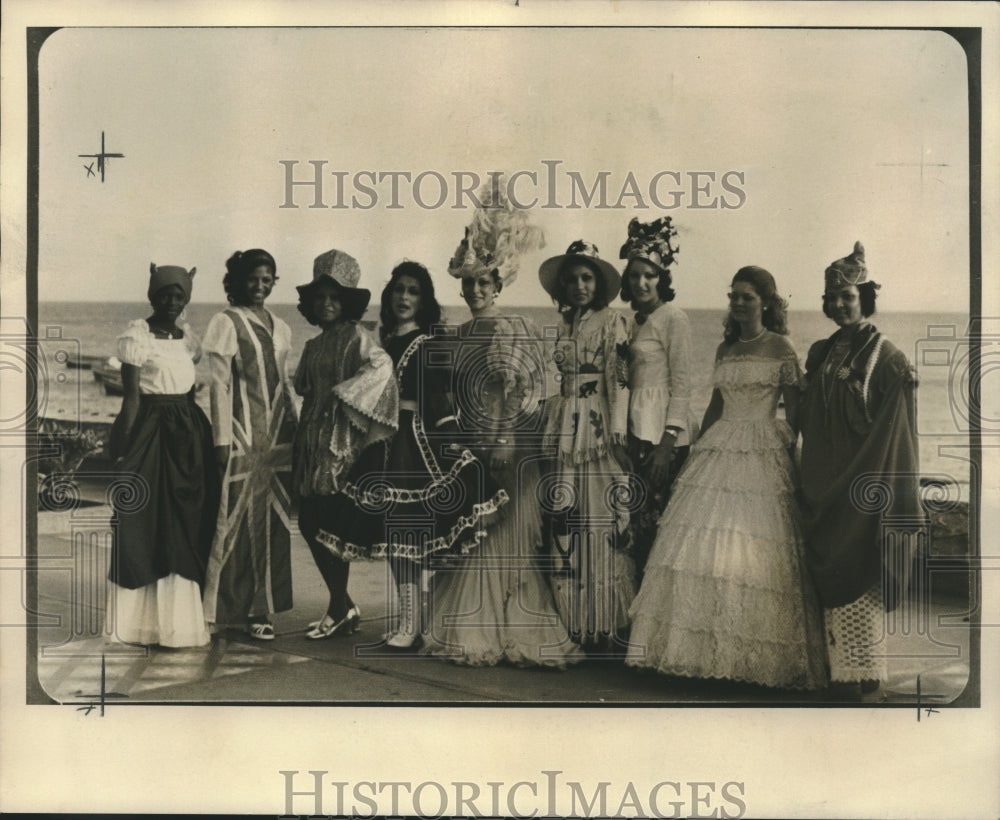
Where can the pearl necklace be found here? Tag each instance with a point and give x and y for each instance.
(763, 330)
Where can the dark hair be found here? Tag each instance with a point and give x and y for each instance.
(867, 294)
(663, 284)
(600, 290)
(775, 313)
(429, 312)
(239, 266)
(352, 305)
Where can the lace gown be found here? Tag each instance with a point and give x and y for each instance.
(495, 605)
(726, 593)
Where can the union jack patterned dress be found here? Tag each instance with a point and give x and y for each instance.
(249, 569)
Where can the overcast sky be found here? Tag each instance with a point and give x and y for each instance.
(838, 136)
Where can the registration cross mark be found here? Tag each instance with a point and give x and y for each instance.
(929, 710)
(101, 696)
(101, 158)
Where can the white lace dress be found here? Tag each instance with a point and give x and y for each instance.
(725, 593)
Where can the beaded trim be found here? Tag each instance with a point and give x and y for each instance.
(868, 375)
(419, 433)
(384, 494)
(348, 551)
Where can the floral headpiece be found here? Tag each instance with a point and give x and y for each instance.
(650, 241)
(497, 237)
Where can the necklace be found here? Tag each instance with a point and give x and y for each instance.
(763, 330)
(158, 330)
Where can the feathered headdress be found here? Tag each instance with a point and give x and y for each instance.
(650, 241)
(497, 237)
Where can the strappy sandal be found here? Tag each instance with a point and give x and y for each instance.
(352, 627)
(327, 627)
(261, 631)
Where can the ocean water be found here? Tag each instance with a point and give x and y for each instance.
(933, 342)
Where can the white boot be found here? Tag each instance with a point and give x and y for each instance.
(409, 616)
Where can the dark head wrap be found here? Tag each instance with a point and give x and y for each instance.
(166, 275)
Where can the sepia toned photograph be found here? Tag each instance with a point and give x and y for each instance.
(443, 382)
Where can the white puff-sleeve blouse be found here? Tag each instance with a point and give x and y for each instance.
(166, 366)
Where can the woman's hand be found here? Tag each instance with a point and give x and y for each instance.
(222, 457)
(634, 452)
(619, 450)
(657, 462)
(501, 457)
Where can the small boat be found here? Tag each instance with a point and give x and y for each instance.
(80, 361)
(109, 375)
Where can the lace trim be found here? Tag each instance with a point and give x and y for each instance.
(427, 452)
(724, 629)
(747, 370)
(381, 495)
(349, 551)
(514, 653)
(353, 414)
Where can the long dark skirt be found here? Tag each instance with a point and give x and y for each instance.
(411, 502)
(166, 525)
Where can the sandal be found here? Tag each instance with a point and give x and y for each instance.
(354, 627)
(262, 631)
(347, 625)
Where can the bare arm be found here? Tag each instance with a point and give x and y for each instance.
(713, 412)
(792, 398)
(220, 384)
(130, 402)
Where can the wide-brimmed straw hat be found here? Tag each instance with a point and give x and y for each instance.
(586, 252)
(344, 271)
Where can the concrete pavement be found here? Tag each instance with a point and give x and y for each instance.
(236, 669)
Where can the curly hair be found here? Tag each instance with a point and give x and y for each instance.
(867, 294)
(663, 284)
(352, 305)
(429, 312)
(775, 309)
(239, 266)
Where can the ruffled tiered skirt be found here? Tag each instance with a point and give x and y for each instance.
(725, 593)
(495, 605)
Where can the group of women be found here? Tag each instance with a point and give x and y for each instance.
(519, 526)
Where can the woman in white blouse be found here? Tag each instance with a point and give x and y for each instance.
(661, 425)
(253, 422)
(162, 444)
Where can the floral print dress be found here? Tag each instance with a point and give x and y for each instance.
(593, 576)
